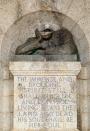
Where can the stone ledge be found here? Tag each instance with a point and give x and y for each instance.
(47, 58)
(46, 130)
(40, 68)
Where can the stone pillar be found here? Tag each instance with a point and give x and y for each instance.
(45, 96)
(84, 96)
(6, 94)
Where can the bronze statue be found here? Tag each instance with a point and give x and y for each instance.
(49, 42)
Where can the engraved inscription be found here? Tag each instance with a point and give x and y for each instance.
(45, 101)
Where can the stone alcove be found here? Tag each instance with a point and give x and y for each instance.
(18, 34)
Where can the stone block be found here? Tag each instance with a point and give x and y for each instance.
(6, 119)
(84, 57)
(27, 6)
(6, 73)
(46, 58)
(85, 121)
(83, 75)
(89, 120)
(88, 87)
(48, 130)
(77, 32)
(44, 86)
(75, 10)
(88, 101)
(68, 24)
(83, 104)
(8, 87)
(7, 104)
(8, 13)
(82, 87)
(1, 88)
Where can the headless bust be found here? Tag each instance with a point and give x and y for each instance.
(49, 42)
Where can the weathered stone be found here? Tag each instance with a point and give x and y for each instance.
(7, 105)
(77, 12)
(42, 91)
(6, 121)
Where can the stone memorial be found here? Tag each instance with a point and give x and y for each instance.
(45, 96)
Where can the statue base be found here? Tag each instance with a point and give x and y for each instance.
(45, 58)
(42, 101)
(47, 130)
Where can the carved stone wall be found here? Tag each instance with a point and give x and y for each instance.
(16, 26)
